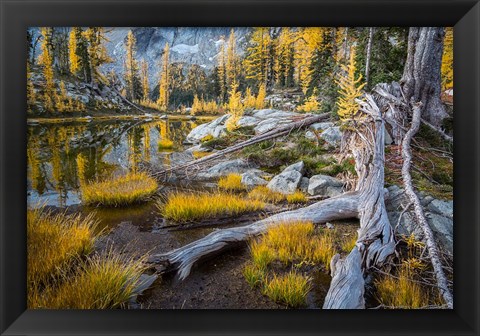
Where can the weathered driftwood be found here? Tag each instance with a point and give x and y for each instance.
(183, 258)
(419, 214)
(375, 241)
(275, 133)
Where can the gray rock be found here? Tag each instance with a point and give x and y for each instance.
(332, 135)
(224, 168)
(271, 113)
(247, 121)
(214, 128)
(252, 178)
(304, 184)
(443, 208)
(322, 126)
(286, 182)
(266, 125)
(296, 166)
(324, 185)
(439, 215)
(329, 225)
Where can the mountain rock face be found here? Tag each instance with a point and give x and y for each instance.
(189, 45)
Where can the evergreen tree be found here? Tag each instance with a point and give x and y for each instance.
(387, 53)
(350, 89)
(81, 51)
(222, 72)
(30, 90)
(164, 85)
(231, 71)
(258, 62)
(132, 80)
(285, 57)
(97, 52)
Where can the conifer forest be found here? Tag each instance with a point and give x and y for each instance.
(240, 167)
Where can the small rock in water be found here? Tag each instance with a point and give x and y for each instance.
(329, 225)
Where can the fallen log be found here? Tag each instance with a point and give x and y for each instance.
(375, 242)
(418, 210)
(275, 133)
(182, 259)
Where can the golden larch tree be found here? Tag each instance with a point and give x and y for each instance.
(145, 86)
(235, 107)
(447, 59)
(46, 61)
(74, 60)
(257, 60)
(308, 41)
(350, 88)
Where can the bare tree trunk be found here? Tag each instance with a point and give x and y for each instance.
(422, 221)
(369, 54)
(421, 79)
(375, 243)
(183, 258)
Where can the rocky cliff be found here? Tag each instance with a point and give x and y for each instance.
(190, 45)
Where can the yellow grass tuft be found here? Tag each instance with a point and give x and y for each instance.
(60, 274)
(296, 242)
(182, 207)
(291, 289)
(262, 193)
(129, 189)
(262, 255)
(297, 197)
(102, 281)
(349, 243)
(254, 276)
(231, 182)
(54, 241)
(401, 292)
(165, 144)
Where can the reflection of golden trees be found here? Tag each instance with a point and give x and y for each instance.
(134, 138)
(36, 174)
(163, 140)
(146, 142)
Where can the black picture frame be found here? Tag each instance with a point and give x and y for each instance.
(16, 16)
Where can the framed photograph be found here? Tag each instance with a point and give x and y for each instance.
(239, 168)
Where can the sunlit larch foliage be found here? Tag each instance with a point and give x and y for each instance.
(257, 62)
(234, 107)
(350, 88)
(46, 61)
(447, 59)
